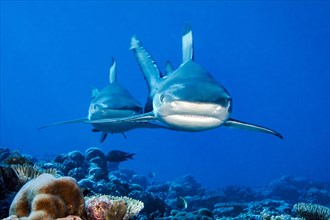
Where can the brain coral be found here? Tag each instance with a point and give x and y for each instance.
(47, 197)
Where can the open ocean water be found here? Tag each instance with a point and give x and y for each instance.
(271, 56)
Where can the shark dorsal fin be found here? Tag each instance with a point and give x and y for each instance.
(95, 92)
(168, 68)
(187, 44)
(113, 72)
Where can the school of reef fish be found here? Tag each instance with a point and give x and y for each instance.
(85, 185)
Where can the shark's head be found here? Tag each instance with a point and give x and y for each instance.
(113, 102)
(184, 104)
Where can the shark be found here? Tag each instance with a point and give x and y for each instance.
(187, 98)
(113, 101)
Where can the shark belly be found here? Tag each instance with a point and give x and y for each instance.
(115, 127)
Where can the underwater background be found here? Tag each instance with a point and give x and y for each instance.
(272, 57)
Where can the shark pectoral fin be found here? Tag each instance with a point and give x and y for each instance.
(134, 118)
(80, 120)
(239, 124)
(103, 137)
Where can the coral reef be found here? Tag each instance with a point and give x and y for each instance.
(182, 198)
(112, 207)
(26, 172)
(47, 197)
(298, 189)
(9, 185)
(4, 153)
(312, 211)
(14, 157)
(203, 213)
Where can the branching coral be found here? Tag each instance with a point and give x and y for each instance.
(112, 207)
(26, 172)
(47, 197)
(312, 211)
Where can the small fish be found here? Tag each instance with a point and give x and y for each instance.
(181, 203)
(151, 174)
(119, 156)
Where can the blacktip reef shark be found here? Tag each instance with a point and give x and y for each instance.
(113, 101)
(186, 99)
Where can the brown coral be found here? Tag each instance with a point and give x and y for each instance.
(47, 197)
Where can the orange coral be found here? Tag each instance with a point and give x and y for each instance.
(47, 197)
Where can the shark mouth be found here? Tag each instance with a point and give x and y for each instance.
(192, 122)
(188, 116)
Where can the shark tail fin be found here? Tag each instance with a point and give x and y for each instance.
(187, 44)
(239, 124)
(113, 72)
(147, 65)
(80, 120)
(130, 156)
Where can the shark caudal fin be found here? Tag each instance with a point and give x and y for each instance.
(243, 125)
(187, 44)
(149, 69)
(80, 120)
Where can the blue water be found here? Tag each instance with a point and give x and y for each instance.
(272, 57)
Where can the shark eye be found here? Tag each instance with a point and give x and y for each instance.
(161, 98)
